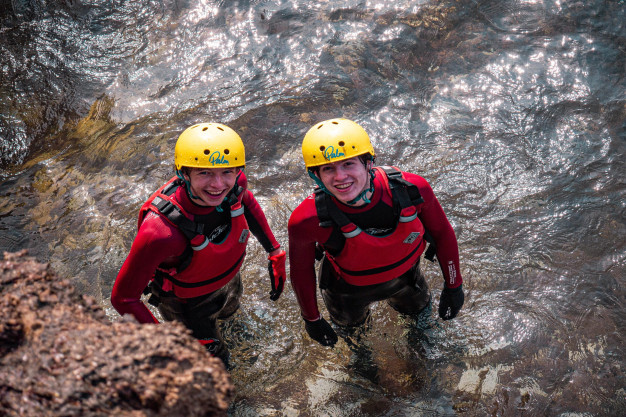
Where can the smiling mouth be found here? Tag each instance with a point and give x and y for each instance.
(343, 186)
(215, 193)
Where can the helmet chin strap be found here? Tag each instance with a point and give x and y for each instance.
(363, 194)
(228, 199)
(318, 182)
(180, 175)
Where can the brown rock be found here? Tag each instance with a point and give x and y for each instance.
(61, 356)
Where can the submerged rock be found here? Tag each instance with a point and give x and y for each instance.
(60, 355)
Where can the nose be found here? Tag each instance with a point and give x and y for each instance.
(217, 181)
(340, 173)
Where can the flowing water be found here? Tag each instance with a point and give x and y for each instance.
(515, 111)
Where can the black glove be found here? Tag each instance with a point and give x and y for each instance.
(451, 302)
(320, 331)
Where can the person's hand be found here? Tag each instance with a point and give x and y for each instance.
(210, 344)
(321, 332)
(451, 302)
(276, 268)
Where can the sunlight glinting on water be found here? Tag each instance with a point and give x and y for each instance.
(203, 9)
(356, 31)
(390, 34)
(501, 106)
(294, 62)
(185, 55)
(393, 6)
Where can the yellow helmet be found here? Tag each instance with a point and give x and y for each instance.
(335, 140)
(209, 145)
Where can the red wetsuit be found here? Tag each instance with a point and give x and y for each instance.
(375, 217)
(160, 244)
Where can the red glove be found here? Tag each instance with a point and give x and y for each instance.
(276, 267)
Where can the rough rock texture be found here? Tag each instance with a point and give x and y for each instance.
(61, 356)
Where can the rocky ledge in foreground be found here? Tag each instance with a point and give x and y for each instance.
(61, 356)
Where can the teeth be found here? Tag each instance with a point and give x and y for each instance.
(342, 186)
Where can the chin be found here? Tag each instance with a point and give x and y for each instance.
(209, 203)
(344, 199)
(214, 203)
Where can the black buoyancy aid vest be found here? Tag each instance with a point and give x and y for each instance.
(205, 266)
(365, 259)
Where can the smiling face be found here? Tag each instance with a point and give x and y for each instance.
(346, 179)
(211, 185)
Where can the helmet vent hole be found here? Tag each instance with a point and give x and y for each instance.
(322, 148)
(335, 123)
(320, 126)
(206, 152)
(226, 151)
(204, 129)
(342, 143)
(220, 128)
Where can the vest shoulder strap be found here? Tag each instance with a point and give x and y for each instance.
(322, 208)
(337, 240)
(175, 215)
(406, 193)
(327, 212)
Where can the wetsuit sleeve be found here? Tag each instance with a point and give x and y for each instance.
(304, 233)
(255, 217)
(155, 242)
(257, 222)
(437, 224)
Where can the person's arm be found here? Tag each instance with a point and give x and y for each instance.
(302, 241)
(258, 224)
(304, 233)
(260, 228)
(436, 223)
(156, 241)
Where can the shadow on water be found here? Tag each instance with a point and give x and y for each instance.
(514, 111)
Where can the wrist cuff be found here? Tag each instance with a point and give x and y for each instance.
(311, 321)
(453, 290)
(273, 248)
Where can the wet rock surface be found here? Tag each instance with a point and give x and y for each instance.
(60, 355)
